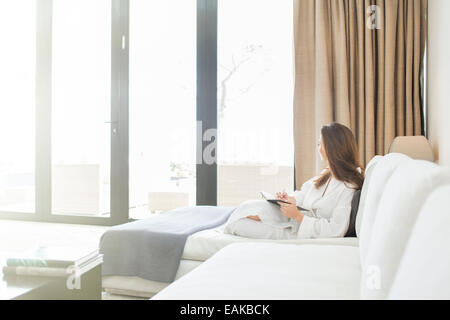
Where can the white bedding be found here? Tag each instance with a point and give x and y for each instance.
(243, 271)
(202, 245)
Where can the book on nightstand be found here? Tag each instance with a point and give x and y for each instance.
(53, 262)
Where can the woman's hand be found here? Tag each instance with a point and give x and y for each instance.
(291, 200)
(282, 196)
(290, 210)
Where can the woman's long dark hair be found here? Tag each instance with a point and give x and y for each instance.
(343, 157)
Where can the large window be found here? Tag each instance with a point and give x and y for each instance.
(255, 87)
(81, 107)
(17, 105)
(162, 105)
(113, 110)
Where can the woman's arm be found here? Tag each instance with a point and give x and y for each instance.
(296, 199)
(333, 227)
(290, 210)
(301, 194)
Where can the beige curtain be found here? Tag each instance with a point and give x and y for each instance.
(354, 69)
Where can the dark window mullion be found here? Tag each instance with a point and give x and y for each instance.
(206, 98)
(119, 112)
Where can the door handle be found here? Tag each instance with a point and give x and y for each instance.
(114, 129)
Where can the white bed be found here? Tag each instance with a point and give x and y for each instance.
(245, 271)
(200, 247)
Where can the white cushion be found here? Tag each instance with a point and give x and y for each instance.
(260, 271)
(362, 200)
(375, 188)
(403, 197)
(424, 271)
(204, 244)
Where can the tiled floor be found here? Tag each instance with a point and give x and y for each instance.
(20, 235)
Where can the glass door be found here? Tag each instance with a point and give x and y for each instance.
(17, 106)
(81, 108)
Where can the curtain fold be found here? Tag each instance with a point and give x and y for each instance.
(359, 67)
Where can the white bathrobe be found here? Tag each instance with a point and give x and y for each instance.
(329, 218)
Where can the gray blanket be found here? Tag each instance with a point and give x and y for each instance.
(152, 248)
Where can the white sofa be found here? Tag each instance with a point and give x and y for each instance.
(203, 245)
(402, 226)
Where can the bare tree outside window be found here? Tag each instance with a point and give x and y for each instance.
(238, 62)
(254, 99)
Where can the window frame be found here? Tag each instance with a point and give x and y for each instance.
(206, 115)
(206, 181)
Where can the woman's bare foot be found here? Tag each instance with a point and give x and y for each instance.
(256, 218)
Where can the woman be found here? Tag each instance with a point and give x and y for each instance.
(327, 197)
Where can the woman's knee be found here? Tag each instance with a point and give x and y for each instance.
(243, 227)
(253, 204)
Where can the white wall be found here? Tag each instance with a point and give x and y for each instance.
(439, 78)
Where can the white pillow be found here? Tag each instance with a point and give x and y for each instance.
(424, 271)
(369, 169)
(379, 177)
(401, 202)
